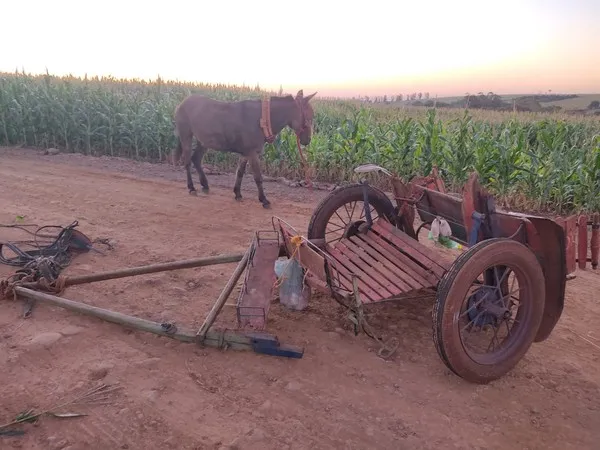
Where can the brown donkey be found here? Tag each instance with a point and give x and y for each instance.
(239, 127)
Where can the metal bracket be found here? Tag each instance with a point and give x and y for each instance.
(365, 185)
(477, 220)
(168, 327)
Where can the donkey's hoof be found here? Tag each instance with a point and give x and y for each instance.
(205, 190)
(193, 192)
(267, 205)
(238, 198)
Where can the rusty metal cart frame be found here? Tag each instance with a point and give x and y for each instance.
(381, 259)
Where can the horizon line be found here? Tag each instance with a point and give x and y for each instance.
(22, 71)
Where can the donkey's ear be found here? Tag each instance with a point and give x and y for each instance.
(307, 99)
(300, 94)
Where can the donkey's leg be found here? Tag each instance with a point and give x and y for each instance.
(197, 160)
(255, 165)
(239, 175)
(186, 156)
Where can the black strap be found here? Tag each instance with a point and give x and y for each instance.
(67, 239)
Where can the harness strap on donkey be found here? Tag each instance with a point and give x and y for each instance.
(265, 120)
(265, 124)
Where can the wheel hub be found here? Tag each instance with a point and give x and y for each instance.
(354, 228)
(486, 307)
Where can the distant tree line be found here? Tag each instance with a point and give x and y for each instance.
(484, 101)
(480, 100)
(393, 98)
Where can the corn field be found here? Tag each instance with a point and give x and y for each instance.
(539, 162)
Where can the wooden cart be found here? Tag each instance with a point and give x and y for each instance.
(493, 298)
(500, 293)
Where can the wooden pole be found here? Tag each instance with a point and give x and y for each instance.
(153, 268)
(104, 314)
(213, 339)
(257, 342)
(582, 241)
(595, 244)
(218, 306)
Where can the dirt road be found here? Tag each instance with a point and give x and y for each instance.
(175, 395)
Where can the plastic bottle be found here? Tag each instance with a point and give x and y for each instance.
(293, 293)
(441, 233)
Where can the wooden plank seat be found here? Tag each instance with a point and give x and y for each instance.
(388, 264)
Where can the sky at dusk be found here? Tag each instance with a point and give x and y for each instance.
(334, 47)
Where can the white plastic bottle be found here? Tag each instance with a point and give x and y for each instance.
(293, 293)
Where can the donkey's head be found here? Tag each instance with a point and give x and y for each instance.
(302, 119)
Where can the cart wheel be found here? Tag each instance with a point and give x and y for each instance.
(488, 308)
(343, 209)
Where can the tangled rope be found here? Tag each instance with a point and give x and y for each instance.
(42, 266)
(43, 270)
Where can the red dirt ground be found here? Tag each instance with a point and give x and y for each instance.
(176, 395)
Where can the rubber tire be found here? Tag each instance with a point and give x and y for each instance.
(451, 293)
(347, 194)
